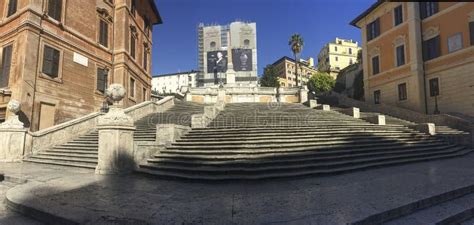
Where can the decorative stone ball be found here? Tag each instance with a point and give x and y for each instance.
(116, 92)
(14, 106)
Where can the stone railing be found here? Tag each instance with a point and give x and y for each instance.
(406, 114)
(210, 112)
(246, 94)
(62, 133)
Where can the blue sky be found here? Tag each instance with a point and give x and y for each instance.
(318, 21)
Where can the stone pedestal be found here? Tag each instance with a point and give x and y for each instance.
(313, 103)
(230, 78)
(355, 112)
(379, 119)
(303, 95)
(168, 133)
(115, 143)
(324, 107)
(12, 135)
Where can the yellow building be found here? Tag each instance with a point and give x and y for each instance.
(337, 55)
(286, 71)
(419, 53)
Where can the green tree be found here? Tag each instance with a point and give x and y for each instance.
(296, 45)
(269, 77)
(321, 82)
(359, 86)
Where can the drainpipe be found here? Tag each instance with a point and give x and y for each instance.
(423, 64)
(37, 65)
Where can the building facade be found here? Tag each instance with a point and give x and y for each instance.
(173, 82)
(224, 49)
(417, 55)
(287, 71)
(58, 60)
(337, 55)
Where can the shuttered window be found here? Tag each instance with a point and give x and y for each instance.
(428, 9)
(402, 91)
(377, 97)
(144, 94)
(104, 33)
(471, 32)
(145, 58)
(133, 8)
(133, 41)
(400, 55)
(373, 29)
(51, 61)
(434, 87)
(431, 48)
(12, 6)
(102, 77)
(54, 9)
(132, 88)
(5, 66)
(375, 65)
(398, 15)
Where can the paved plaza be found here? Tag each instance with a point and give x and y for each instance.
(77, 195)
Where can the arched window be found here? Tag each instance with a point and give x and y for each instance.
(246, 42)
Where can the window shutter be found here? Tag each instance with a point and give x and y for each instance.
(12, 6)
(6, 64)
(436, 47)
(471, 32)
(434, 7)
(55, 63)
(47, 61)
(54, 9)
(104, 33)
(369, 33)
(422, 10)
(377, 27)
(101, 80)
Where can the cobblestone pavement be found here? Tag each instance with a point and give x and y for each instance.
(7, 217)
(81, 196)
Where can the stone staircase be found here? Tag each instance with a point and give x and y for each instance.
(83, 151)
(257, 141)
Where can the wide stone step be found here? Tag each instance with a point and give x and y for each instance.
(300, 128)
(72, 151)
(295, 155)
(92, 155)
(89, 145)
(290, 135)
(60, 163)
(80, 159)
(229, 146)
(75, 147)
(313, 140)
(368, 146)
(151, 169)
(267, 166)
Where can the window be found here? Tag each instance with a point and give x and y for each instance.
(246, 42)
(373, 29)
(212, 44)
(471, 32)
(12, 5)
(377, 97)
(337, 58)
(144, 94)
(375, 65)
(145, 58)
(350, 51)
(335, 48)
(350, 62)
(400, 51)
(104, 33)
(147, 25)
(102, 77)
(133, 41)
(132, 88)
(133, 8)
(5, 66)
(54, 9)
(398, 15)
(434, 87)
(428, 9)
(431, 48)
(51, 61)
(402, 91)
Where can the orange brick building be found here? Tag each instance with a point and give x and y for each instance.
(418, 53)
(58, 56)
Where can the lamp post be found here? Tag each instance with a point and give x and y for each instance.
(436, 110)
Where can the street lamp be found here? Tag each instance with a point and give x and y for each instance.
(436, 110)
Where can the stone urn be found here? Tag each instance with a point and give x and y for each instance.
(13, 121)
(115, 92)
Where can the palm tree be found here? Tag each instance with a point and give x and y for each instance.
(296, 44)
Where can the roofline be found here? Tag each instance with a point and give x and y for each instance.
(178, 73)
(366, 12)
(155, 10)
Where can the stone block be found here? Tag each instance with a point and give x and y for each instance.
(379, 119)
(313, 103)
(427, 128)
(198, 121)
(12, 147)
(168, 133)
(324, 107)
(303, 95)
(355, 112)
